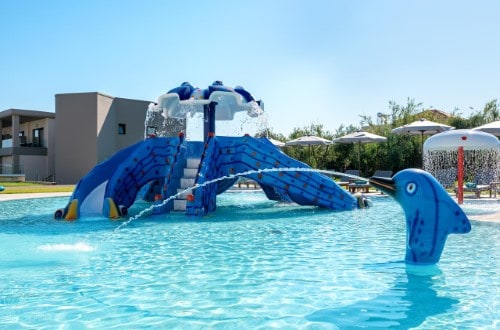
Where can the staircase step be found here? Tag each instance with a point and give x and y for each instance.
(192, 163)
(184, 194)
(190, 172)
(186, 183)
(179, 205)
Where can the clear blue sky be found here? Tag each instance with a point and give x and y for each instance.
(311, 61)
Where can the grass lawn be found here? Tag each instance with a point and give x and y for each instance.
(33, 187)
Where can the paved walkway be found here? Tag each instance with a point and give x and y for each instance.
(10, 197)
(493, 217)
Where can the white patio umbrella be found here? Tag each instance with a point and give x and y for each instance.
(308, 140)
(492, 128)
(422, 127)
(277, 143)
(359, 137)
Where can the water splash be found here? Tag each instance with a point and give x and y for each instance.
(480, 166)
(158, 124)
(189, 120)
(77, 247)
(232, 176)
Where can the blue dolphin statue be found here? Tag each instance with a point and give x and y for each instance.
(431, 214)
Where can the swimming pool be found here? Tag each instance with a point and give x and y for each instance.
(251, 264)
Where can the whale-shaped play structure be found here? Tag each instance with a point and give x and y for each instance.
(185, 175)
(164, 166)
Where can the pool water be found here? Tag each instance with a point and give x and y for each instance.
(252, 264)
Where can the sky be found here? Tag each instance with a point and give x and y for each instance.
(311, 61)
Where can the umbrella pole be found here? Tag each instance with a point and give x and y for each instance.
(422, 148)
(359, 156)
(422, 142)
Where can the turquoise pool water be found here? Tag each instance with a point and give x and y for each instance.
(253, 264)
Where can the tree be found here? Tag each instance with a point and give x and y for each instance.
(397, 153)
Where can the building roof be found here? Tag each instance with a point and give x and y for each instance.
(24, 115)
(436, 114)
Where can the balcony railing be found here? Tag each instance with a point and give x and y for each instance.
(11, 170)
(7, 143)
(23, 149)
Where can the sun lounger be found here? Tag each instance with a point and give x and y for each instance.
(382, 174)
(484, 180)
(494, 189)
(346, 180)
(359, 185)
(476, 189)
(246, 183)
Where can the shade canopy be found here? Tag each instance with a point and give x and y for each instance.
(359, 137)
(276, 142)
(422, 127)
(309, 140)
(492, 128)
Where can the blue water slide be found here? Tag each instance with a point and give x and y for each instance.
(155, 159)
(111, 187)
(101, 173)
(281, 176)
(302, 187)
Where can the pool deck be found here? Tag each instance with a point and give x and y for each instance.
(491, 217)
(11, 197)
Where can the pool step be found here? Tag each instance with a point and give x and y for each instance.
(189, 177)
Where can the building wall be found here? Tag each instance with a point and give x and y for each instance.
(51, 147)
(75, 148)
(105, 137)
(132, 113)
(120, 111)
(87, 131)
(36, 168)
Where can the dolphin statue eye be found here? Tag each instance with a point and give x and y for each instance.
(411, 188)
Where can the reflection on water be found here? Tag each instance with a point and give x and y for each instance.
(406, 305)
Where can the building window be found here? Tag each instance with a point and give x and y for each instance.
(38, 137)
(122, 129)
(22, 139)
